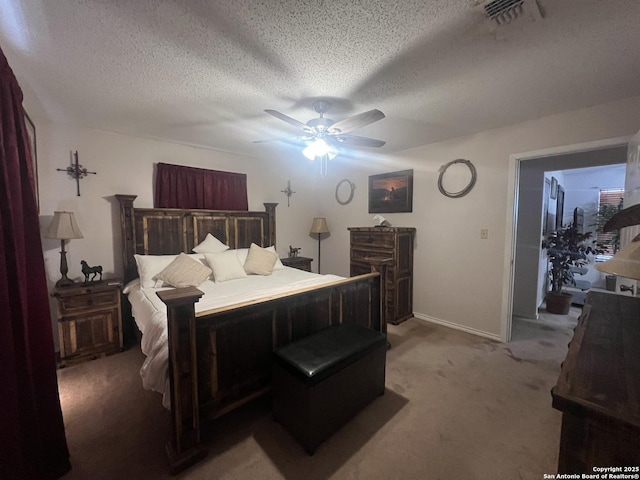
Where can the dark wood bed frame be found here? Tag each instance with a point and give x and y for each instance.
(221, 359)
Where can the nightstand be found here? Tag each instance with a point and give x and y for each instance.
(301, 263)
(89, 320)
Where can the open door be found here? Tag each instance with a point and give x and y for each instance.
(627, 286)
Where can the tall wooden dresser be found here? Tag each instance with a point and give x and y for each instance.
(395, 243)
(598, 390)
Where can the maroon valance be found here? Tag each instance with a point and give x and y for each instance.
(178, 186)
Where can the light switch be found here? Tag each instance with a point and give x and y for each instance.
(484, 233)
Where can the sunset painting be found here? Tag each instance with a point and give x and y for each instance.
(391, 192)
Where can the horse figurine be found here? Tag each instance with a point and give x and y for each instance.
(87, 270)
(293, 251)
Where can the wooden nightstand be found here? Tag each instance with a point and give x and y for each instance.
(89, 320)
(301, 263)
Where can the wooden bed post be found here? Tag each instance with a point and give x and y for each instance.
(183, 448)
(127, 228)
(271, 213)
(379, 265)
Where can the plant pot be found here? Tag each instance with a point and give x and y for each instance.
(558, 302)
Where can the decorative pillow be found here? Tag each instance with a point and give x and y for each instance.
(210, 244)
(260, 261)
(149, 266)
(184, 272)
(226, 266)
(243, 252)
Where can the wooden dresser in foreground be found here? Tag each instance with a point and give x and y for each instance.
(89, 320)
(598, 391)
(395, 243)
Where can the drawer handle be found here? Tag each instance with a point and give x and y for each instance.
(90, 301)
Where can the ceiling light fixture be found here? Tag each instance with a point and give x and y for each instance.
(322, 150)
(318, 149)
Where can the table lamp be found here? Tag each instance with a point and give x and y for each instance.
(63, 227)
(319, 226)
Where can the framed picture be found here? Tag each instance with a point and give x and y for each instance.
(31, 133)
(545, 207)
(559, 207)
(554, 188)
(391, 192)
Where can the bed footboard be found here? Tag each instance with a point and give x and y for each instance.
(221, 359)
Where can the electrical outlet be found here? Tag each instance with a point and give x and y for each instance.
(484, 233)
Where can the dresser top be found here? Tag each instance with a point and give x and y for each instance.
(602, 370)
(382, 229)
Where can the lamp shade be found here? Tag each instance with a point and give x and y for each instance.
(63, 226)
(319, 225)
(625, 263)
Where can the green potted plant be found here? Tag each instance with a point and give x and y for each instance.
(566, 248)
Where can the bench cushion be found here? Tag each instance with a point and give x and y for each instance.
(320, 355)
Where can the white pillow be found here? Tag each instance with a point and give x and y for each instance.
(243, 252)
(226, 266)
(149, 266)
(260, 261)
(184, 272)
(210, 244)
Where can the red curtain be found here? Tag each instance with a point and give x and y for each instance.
(189, 187)
(32, 440)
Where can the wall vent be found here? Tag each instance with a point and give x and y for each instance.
(505, 11)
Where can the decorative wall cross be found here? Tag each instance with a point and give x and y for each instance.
(288, 192)
(76, 171)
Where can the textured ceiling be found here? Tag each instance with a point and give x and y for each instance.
(202, 72)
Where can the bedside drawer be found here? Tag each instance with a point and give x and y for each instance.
(377, 239)
(74, 303)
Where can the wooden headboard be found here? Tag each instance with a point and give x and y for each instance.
(169, 231)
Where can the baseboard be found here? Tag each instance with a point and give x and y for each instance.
(455, 326)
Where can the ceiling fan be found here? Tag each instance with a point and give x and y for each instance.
(323, 134)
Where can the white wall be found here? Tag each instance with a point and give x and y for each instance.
(458, 277)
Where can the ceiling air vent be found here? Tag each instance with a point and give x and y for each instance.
(505, 11)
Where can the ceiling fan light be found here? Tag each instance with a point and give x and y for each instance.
(320, 148)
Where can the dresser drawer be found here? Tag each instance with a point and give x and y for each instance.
(359, 254)
(374, 239)
(74, 303)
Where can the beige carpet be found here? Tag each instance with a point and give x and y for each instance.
(456, 407)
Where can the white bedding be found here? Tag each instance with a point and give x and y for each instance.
(150, 313)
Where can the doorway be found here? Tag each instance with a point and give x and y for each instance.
(523, 232)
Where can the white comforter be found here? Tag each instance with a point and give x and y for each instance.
(151, 315)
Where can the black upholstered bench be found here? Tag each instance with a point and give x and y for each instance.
(322, 381)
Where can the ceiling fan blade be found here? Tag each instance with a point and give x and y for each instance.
(357, 121)
(359, 141)
(290, 121)
(294, 140)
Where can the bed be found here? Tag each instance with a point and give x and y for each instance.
(218, 351)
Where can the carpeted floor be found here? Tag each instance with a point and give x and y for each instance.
(456, 407)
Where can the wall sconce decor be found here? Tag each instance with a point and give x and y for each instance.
(288, 192)
(76, 171)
